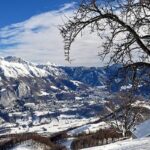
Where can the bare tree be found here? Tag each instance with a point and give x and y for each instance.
(125, 112)
(128, 23)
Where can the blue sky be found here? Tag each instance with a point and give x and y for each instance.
(29, 29)
(13, 11)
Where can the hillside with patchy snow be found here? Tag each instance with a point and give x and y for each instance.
(135, 144)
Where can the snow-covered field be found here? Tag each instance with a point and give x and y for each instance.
(23, 147)
(56, 125)
(29, 145)
(89, 128)
(131, 144)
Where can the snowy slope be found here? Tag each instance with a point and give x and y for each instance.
(89, 128)
(143, 129)
(15, 69)
(136, 144)
(29, 145)
(23, 147)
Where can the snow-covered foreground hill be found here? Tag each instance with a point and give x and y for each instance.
(29, 145)
(131, 144)
(143, 129)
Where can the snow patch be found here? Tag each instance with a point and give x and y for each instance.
(136, 144)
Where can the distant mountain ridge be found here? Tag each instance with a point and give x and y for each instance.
(93, 76)
(21, 79)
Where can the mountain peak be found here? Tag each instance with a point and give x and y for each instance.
(50, 64)
(15, 59)
(14, 67)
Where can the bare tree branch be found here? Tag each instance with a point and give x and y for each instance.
(129, 18)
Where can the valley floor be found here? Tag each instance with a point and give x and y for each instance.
(130, 144)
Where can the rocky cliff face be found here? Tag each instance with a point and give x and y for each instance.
(23, 90)
(7, 97)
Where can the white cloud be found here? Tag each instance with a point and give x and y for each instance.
(67, 6)
(38, 40)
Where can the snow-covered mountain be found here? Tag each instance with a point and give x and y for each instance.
(32, 95)
(21, 79)
(13, 67)
(112, 77)
(50, 98)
